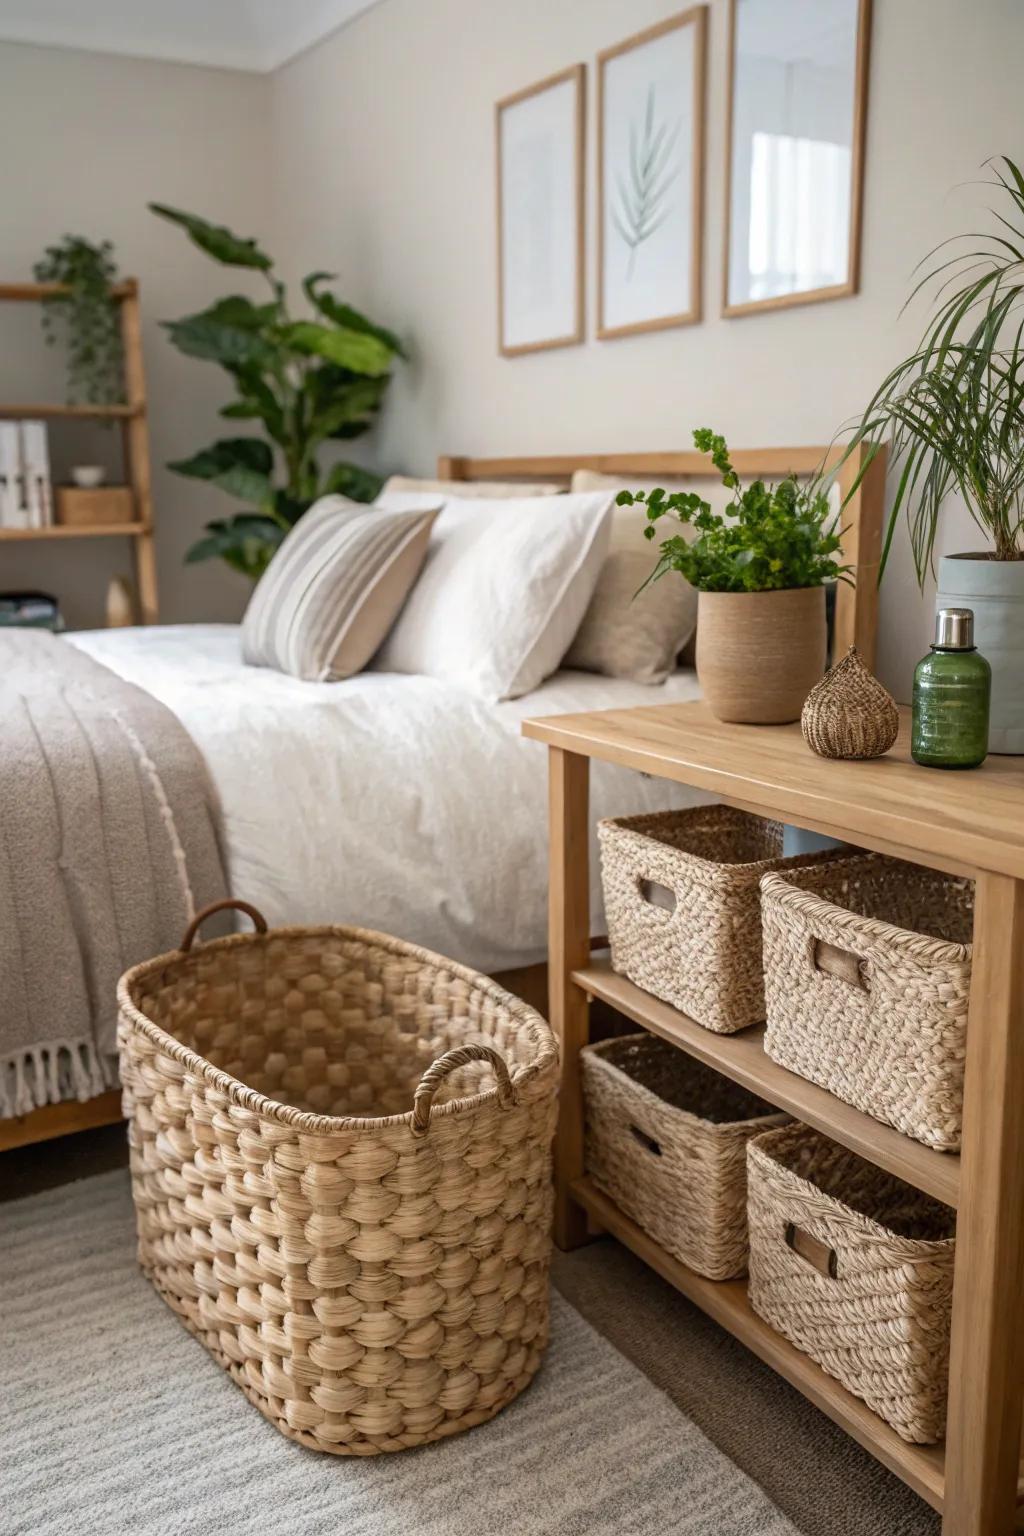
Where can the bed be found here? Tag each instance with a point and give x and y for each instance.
(400, 802)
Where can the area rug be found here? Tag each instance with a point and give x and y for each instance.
(115, 1420)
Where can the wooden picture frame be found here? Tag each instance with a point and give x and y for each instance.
(572, 333)
(691, 311)
(732, 309)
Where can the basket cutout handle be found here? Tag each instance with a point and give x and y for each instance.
(259, 921)
(813, 1251)
(656, 895)
(435, 1075)
(843, 964)
(647, 1142)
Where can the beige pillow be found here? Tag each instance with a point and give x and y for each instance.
(619, 637)
(476, 490)
(334, 588)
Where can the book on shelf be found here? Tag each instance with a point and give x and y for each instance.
(35, 461)
(26, 488)
(13, 512)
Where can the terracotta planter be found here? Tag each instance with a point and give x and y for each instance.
(759, 654)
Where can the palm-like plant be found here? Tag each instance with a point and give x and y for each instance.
(308, 382)
(953, 412)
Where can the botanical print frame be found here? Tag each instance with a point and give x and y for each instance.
(651, 177)
(539, 147)
(858, 67)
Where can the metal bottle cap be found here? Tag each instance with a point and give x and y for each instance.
(954, 629)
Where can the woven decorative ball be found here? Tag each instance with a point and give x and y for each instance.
(849, 714)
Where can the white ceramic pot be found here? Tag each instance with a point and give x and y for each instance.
(88, 476)
(994, 591)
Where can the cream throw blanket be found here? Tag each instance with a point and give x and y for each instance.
(108, 845)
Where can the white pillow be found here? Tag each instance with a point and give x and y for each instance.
(502, 593)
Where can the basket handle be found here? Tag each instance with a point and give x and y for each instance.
(259, 921)
(843, 964)
(812, 1250)
(435, 1075)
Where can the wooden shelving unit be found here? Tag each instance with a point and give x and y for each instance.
(132, 419)
(971, 824)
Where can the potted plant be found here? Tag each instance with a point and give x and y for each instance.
(85, 312)
(953, 413)
(307, 382)
(760, 570)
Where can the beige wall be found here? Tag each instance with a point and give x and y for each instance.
(383, 143)
(88, 140)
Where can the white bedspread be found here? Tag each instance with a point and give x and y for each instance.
(395, 802)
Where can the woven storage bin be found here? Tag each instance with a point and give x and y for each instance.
(682, 903)
(856, 1269)
(867, 976)
(666, 1138)
(340, 1186)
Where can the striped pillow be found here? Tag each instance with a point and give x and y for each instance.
(334, 588)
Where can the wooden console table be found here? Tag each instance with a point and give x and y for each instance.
(965, 823)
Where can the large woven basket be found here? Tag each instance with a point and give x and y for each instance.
(340, 1159)
(856, 1269)
(666, 1138)
(867, 978)
(682, 903)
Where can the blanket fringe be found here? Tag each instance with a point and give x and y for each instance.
(52, 1073)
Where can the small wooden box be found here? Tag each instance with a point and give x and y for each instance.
(81, 508)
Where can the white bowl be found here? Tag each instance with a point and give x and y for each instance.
(88, 476)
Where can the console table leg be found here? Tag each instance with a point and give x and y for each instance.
(568, 950)
(987, 1347)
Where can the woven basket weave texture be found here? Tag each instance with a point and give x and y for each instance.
(701, 951)
(372, 1275)
(849, 714)
(867, 980)
(872, 1304)
(666, 1138)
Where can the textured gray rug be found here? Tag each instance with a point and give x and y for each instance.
(115, 1420)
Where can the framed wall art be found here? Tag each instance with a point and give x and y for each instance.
(540, 145)
(650, 114)
(797, 104)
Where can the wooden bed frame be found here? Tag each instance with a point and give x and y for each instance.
(856, 622)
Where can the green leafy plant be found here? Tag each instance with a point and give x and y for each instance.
(771, 537)
(86, 317)
(641, 206)
(953, 412)
(308, 381)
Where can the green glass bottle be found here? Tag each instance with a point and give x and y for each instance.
(952, 685)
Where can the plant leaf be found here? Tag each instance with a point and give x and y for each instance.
(210, 339)
(352, 481)
(350, 349)
(217, 241)
(345, 315)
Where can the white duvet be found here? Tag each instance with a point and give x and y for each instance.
(396, 802)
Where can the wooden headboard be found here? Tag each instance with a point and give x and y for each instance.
(856, 615)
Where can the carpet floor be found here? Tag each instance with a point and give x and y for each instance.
(116, 1420)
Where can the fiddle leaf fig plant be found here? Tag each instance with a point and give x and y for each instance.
(86, 315)
(306, 381)
(770, 538)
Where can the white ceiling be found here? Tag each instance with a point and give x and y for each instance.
(235, 34)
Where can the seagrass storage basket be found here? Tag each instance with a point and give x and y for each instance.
(867, 979)
(341, 1165)
(666, 1138)
(682, 902)
(856, 1269)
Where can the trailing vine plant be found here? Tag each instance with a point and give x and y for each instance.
(86, 316)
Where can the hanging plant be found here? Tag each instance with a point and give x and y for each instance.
(86, 317)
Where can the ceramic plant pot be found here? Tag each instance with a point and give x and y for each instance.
(994, 591)
(759, 654)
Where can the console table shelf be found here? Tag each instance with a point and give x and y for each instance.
(969, 824)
